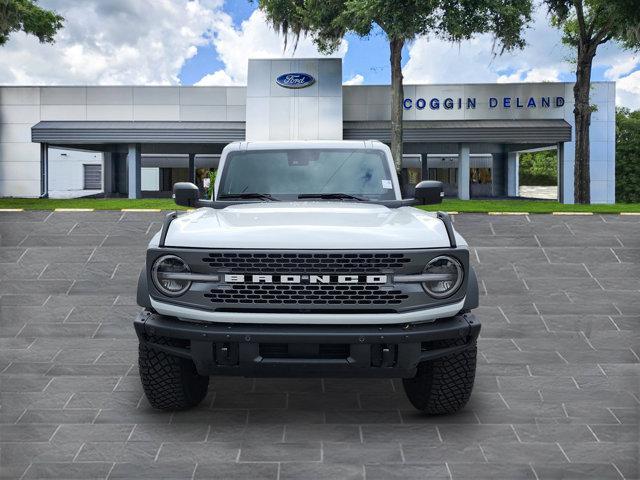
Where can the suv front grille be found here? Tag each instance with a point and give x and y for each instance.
(295, 294)
(315, 263)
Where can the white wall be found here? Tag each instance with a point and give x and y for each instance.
(19, 158)
(23, 107)
(66, 171)
(602, 143)
(374, 103)
(150, 179)
(273, 112)
(279, 113)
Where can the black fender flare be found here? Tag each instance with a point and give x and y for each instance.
(142, 296)
(472, 299)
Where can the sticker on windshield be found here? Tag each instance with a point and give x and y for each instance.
(386, 184)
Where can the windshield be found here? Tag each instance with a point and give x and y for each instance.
(286, 174)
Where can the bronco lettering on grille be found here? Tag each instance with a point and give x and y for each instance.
(310, 279)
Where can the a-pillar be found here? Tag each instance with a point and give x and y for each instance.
(192, 168)
(133, 170)
(513, 166)
(463, 171)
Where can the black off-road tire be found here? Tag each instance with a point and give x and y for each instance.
(169, 382)
(443, 386)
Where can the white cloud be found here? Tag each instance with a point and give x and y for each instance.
(628, 91)
(143, 42)
(357, 79)
(531, 75)
(436, 61)
(254, 39)
(627, 80)
(545, 58)
(219, 77)
(115, 42)
(622, 65)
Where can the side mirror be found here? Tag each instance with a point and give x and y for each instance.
(186, 194)
(429, 192)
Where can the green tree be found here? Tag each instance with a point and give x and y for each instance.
(627, 156)
(28, 17)
(539, 168)
(327, 21)
(587, 24)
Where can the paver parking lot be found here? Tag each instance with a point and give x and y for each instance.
(556, 395)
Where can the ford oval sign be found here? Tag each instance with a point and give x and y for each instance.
(295, 80)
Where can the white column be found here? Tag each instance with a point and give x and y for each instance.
(513, 164)
(562, 176)
(133, 170)
(192, 168)
(463, 171)
(44, 170)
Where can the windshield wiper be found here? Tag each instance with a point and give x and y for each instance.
(259, 196)
(331, 196)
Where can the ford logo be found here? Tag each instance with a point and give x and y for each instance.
(295, 80)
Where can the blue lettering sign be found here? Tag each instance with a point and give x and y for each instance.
(295, 80)
(459, 103)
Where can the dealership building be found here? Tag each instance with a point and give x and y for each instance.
(137, 141)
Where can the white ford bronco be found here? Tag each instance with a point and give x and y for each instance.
(306, 261)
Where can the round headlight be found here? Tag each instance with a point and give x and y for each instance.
(447, 276)
(168, 275)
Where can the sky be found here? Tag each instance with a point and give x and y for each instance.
(208, 42)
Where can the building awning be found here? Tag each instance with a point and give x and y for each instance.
(179, 160)
(475, 131)
(433, 131)
(136, 132)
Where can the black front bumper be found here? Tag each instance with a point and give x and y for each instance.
(254, 350)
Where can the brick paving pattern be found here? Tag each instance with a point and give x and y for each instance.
(556, 394)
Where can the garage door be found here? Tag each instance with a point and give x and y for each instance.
(93, 177)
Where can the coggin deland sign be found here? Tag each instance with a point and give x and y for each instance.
(302, 80)
(469, 103)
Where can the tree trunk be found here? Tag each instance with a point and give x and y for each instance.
(582, 115)
(397, 98)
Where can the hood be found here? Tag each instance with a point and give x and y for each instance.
(308, 225)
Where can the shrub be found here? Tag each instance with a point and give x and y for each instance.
(212, 181)
(627, 156)
(539, 168)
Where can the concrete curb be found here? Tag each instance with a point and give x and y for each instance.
(74, 210)
(141, 210)
(571, 213)
(158, 210)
